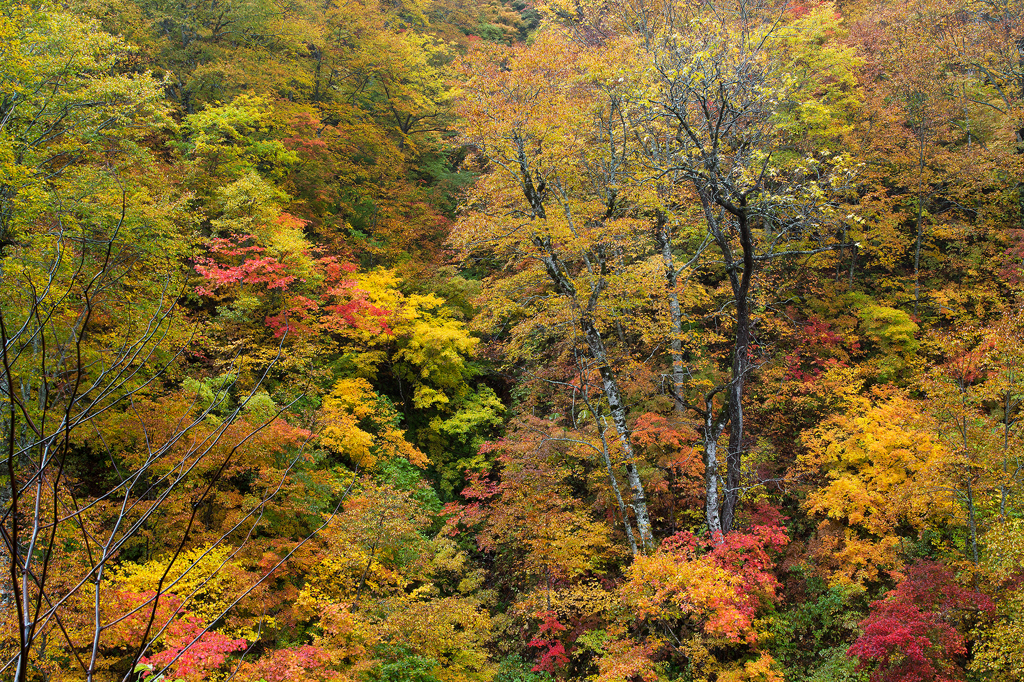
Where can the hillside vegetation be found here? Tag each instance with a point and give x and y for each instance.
(443, 341)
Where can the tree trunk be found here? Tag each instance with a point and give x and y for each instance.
(661, 236)
(609, 384)
(606, 458)
(618, 412)
(734, 458)
(740, 368)
(740, 274)
(595, 343)
(712, 506)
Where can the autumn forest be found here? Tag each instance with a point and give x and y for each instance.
(470, 340)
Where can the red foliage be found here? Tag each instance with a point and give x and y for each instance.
(654, 430)
(818, 347)
(248, 267)
(909, 636)
(480, 486)
(967, 367)
(292, 663)
(192, 653)
(137, 607)
(554, 655)
(335, 302)
(744, 554)
(1013, 259)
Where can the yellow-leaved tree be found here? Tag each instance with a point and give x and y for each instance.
(882, 467)
(363, 426)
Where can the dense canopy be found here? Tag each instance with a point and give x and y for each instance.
(450, 340)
